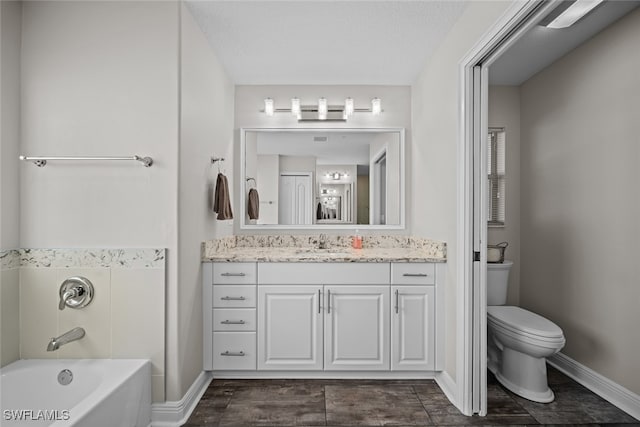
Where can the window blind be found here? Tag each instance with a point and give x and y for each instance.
(496, 175)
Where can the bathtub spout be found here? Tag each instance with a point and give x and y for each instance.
(73, 335)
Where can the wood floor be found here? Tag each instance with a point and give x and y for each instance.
(391, 403)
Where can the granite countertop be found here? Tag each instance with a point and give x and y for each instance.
(305, 249)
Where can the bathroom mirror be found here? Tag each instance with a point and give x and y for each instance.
(323, 178)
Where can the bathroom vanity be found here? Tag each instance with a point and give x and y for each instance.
(305, 312)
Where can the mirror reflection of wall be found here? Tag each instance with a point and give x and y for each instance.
(324, 177)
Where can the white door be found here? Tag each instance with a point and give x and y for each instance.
(290, 328)
(295, 205)
(357, 328)
(412, 328)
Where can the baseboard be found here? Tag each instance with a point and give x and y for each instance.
(604, 387)
(449, 388)
(174, 414)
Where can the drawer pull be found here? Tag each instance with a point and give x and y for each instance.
(233, 322)
(233, 298)
(233, 353)
(233, 274)
(415, 275)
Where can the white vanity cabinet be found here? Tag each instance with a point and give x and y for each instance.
(316, 317)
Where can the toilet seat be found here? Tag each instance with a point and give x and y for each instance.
(525, 323)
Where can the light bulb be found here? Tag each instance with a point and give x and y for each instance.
(295, 106)
(376, 106)
(268, 106)
(348, 107)
(322, 109)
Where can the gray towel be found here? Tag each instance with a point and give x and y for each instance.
(222, 201)
(253, 204)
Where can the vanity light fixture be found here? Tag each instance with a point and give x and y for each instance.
(322, 111)
(268, 106)
(573, 13)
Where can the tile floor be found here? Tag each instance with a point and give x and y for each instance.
(391, 403)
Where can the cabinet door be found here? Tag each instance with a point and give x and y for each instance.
(357, 328)
(290, 328)
(412, 328)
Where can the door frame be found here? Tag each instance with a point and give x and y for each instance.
(471, 363)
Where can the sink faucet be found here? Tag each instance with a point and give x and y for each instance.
(72, 335)
(322, 241)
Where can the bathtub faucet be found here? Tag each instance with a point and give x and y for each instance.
(73, 335)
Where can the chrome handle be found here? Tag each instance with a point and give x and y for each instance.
(415, 275)
(233, 322)
(233, 353)
(319, 298)
(233, 298)
(328, 301)
(233, 274)
(397, 301)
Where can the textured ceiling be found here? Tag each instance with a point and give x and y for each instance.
(325, 42)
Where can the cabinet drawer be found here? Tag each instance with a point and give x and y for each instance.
(234, 350)
(230, 296)
(234, 273)
(419, 273)
(234, 319)
(323, 273)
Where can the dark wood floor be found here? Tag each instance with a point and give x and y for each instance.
(390, 403)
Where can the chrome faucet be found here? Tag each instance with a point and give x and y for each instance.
(72, 335)
(322, 241)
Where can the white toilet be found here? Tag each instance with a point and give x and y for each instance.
(518, 340)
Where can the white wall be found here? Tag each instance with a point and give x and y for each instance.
(434, 108)
(504, 112)
(396, 104)
(10, 26)
(268, 179)
(580, 200)
(10, 39)
(206, 130)
(101, 79)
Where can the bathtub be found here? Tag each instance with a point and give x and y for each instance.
(102, 392)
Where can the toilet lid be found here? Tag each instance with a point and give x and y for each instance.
(519, 319)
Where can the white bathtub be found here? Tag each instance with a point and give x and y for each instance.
(103, 392)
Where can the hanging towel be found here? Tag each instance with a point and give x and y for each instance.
(253, 204)
(319, 211)
(221, 200)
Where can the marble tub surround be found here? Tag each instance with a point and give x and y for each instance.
(304, 248)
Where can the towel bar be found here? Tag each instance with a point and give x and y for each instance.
(41, 161)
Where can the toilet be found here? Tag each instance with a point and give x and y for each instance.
(518, 341)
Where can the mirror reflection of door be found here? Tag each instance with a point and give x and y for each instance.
(379, 188)
(295, 196)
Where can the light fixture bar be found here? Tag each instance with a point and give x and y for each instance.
(322, 111)
(573, 13)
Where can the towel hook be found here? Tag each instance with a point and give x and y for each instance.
(217, 160)
(255, 184)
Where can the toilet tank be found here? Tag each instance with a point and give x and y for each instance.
(497, 282)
